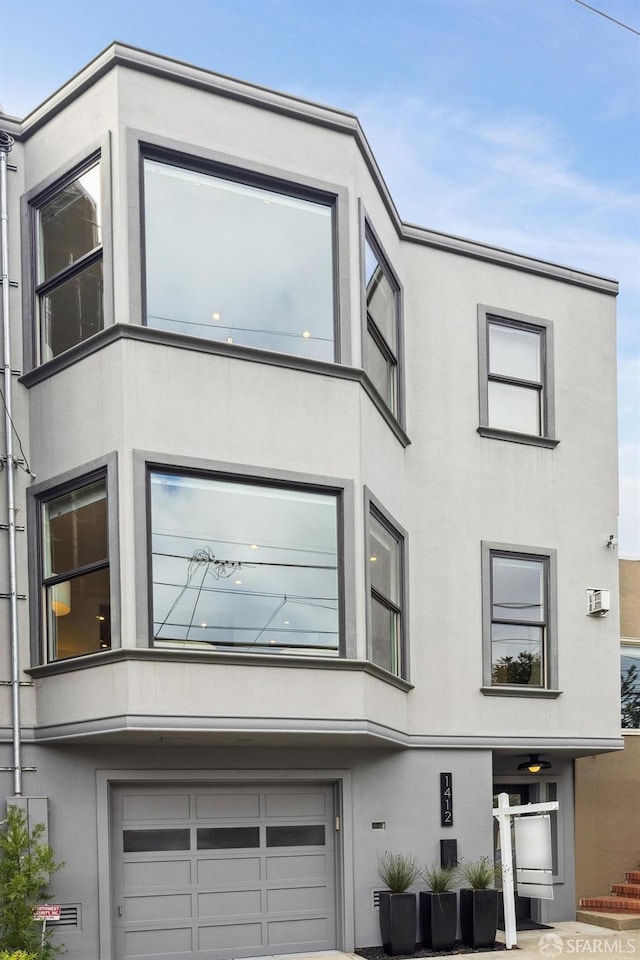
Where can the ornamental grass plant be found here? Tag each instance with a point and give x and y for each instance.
(477, 874)
(397, 871)
(439, 879)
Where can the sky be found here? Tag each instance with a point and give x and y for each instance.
(512, 122)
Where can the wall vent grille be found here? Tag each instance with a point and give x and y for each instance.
(69, 918)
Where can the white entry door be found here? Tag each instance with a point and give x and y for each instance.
(219, 872)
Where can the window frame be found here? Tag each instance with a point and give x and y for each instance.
(518, 321)
(628, 644)
(31, 204)
(373, 508)
(38, 496)
(549, 685)
(369, 328)
(213, 163)
(148, 463)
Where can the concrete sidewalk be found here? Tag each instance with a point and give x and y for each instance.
(563, 940)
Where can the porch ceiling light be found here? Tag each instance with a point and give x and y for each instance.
(534, 764)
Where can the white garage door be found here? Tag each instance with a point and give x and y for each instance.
(219, 872)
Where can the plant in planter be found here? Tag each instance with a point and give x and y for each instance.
(397, 907)
(478, 903)
(438, 914)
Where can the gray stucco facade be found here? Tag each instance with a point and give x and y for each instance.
(399, 432)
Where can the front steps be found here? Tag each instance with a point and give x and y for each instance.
(619, 911)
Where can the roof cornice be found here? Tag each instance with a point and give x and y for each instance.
(133, 58)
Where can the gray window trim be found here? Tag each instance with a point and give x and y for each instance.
(38, 494)
(373, 507)
(547, 437)
(550, 687)
(368, 233)
(141, 144)
(128, 331)
(30, 202)
(144, 462)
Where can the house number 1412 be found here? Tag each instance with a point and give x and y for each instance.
(446, 800)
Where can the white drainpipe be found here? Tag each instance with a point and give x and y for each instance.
(6, 142)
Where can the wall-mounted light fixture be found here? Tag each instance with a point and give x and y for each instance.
(612, 542)
(534, 764)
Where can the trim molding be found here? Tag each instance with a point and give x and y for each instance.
(133, 58)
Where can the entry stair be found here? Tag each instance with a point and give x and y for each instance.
(619, 911)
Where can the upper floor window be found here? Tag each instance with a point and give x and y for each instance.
(630, 684)
(69, 276)
(385, 568)
(245, 567)
(381, 347)
(519, 629)
(76, 583)
(516, 383)
(238, 260)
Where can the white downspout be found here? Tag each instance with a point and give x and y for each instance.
(6, 142)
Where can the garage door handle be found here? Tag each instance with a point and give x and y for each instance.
(119, 909)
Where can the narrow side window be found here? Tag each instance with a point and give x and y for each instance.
(75, 571)
(68, 263)
(381, 346)
(385, 575)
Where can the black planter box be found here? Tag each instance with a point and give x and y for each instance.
(398, 922)
(438, 919)
(478, 917)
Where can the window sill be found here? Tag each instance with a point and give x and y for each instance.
(495, 434)
(89, 660)
(537, 693)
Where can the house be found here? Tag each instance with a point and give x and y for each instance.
(306, 506)
(607, 788)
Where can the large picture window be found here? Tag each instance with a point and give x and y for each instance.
(385, 568)
(238, 262)
(382, 337)
(519, 619)
(69, 277)
(242, 566)
(516, 377)
(76, 583)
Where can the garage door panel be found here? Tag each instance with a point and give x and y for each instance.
(295, 805)
(288, 899)
(292, 932)
(230, 936)
(157, 943)
(156, 873)
(228, 903)
(160, 807)
(159, 907)
(235, 806)
(229, 870)
(307, 866)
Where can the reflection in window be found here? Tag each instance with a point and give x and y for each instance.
(518, 619)
(385, 577)
(515, 375)
(238, 263)
(630, 685)
(246, 567)
(69, 285)
(381, 342)
(76, 572)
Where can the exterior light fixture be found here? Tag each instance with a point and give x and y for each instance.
(534, 764)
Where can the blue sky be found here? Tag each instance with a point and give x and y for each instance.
(514, 122)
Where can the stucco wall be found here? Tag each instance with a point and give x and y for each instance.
(607, 818)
